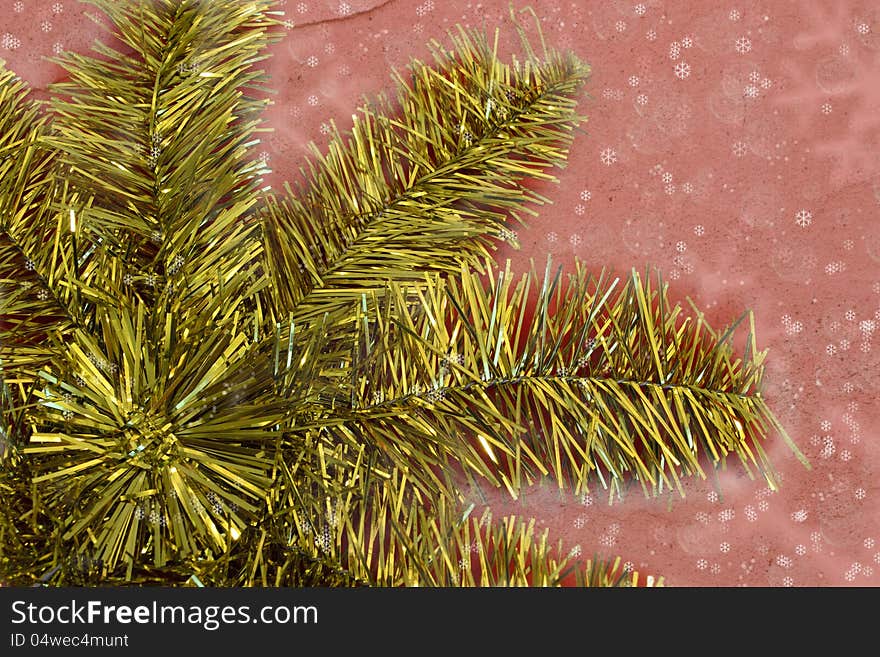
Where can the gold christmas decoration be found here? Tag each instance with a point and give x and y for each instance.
(206, 383)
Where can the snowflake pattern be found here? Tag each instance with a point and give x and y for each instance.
(803, 218)
(757, 168)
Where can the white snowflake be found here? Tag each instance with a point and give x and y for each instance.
(586, 195)
(800, 550)
(634, 80)
(425, 8)
(734, 15)
(575, 239)
(724, 547)
(702, 564)
(687, 42)
(651, 35)
(57, 8)
(302, 7)
(324, 540)
(640, 9)
(176, 264)
(9, 41)
(608, 540)
(642, 99)
(743, 45)
(751, 91)
(579, 209)
(312, 61)
(608, 156)
(507, 235)
(799, 516)
(620, 26)
(828, 448)
(803, 218)
(46, 26)
(793, 328)
(313, 100)
(860, 494)
(674, 50)
(682, 70)
(739, 148)
(699, 230)
(687, 188)
(344, 9)
(863, 28)
(666, 177)
(18, 7)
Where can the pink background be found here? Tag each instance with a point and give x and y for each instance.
(734, 145)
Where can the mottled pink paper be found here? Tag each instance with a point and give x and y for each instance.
(733, 145)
